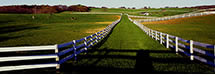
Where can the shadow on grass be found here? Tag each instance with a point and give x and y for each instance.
(14, 28)
(5, 38)
(102, 62)
(5, 22)
(143, 63)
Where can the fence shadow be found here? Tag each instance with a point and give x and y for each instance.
(143, 62)
(14, 28)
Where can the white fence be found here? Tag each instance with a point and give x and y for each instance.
(141, 16)
(191, 48)
(171, 17)
(34, 57)
(62, 52)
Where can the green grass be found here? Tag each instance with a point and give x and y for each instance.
(46, 29)
(126, 50)
(129, 50)
(159, 12)
(195, 28)
(126, 35)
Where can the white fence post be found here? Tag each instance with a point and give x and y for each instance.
(57, 58)
(161, 40)
(152, 34)
(176, 45)
(85, 43)
(74, 46)
(156, 38)
(191, 50)
(167, 41)
(96, 37)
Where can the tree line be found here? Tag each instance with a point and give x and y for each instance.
(38, 9)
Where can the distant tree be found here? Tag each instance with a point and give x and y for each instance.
(92, 7)
(26, 9)
(167, 7)
(145, 7)
(47, 9)
(103, 7)
(61, 8)
(78, 8)
(122, 7)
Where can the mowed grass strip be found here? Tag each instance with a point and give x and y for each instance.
(129, 50)
(126, 35)
(49, 29)
(199, 28)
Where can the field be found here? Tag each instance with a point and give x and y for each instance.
(155, 12)
(49, 29)
(129, 50)
(199, 28)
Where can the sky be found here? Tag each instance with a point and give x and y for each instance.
(113, 3)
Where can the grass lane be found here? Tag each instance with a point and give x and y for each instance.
(129, 50)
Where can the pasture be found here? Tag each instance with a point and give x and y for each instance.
(199, 28)
(129, 50)
(49, 29)
(155, 12)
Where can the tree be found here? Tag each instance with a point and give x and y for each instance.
(122, 7)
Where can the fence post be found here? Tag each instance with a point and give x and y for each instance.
(167, 41)
(191, 50)
(161, 38)
(91, 39)
(176, 45)
(85, 44)
(148, 32)
(105, 33)
(74, 46)
(152, 33)
(57, 58)
(96, 38)
(156, 38)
